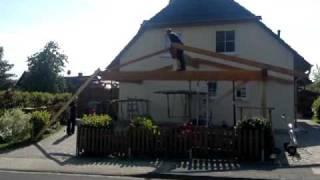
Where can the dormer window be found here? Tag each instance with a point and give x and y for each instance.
(225, 41)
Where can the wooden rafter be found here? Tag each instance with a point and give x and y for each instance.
(201, 61)
(244, 61)
(138, 59)
(184, 76)
(209, 63)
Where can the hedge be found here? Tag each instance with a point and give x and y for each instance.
(316, 109)
(30, 99)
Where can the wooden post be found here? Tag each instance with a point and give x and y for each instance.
(262, 145)
(241, 113)
(264, 93)
(234, 104)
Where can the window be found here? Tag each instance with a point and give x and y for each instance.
(225, 41)
(212, 89)
(241, 92)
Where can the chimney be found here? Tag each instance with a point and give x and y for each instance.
(279, 33)
(80, 74)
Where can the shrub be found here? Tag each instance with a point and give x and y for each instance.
(254, 123)
(14, 125)
(261, 124)
(97, 120)
(39, 120)
(144, 122)
(316, 109)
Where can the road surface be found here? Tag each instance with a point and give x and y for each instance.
(44, 176)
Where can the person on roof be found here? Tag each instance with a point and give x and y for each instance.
(176, 53)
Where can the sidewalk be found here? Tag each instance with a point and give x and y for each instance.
(57, 154)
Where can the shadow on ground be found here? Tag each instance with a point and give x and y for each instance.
(309, 136)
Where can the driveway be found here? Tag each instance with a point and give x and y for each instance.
(308, 136)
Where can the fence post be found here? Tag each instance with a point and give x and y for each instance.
(190, 155)
(77, 146)
(262, 145)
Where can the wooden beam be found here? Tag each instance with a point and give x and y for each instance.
(138, 59)
(184, 76)
(240, 60)
(264, 93)
(164, 69)
(209, 63)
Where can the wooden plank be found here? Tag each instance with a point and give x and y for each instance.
(240, 60)
(209, 63)
(264, 93)
(184, 76)
(138, 59)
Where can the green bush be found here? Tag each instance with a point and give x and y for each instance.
(97, 120)
(31, 99)
(144, 122)
(316, 109)
(39, 120)
(14, 126)
(254, 123)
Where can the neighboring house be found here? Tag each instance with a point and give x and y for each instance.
(221, 26)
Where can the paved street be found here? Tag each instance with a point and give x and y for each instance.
(42, 176)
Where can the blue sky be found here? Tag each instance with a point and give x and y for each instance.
(92, 32)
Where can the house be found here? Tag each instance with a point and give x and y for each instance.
(227, 28)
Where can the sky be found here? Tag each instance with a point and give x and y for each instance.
(92, 32)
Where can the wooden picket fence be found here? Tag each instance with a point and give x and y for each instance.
(172, 143)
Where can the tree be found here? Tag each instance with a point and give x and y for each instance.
(4, 75)
(315, 86)
(44, 70)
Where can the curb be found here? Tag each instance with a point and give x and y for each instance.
(146, 176)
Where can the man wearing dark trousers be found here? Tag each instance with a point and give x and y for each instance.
(72, 119)
(176, 53)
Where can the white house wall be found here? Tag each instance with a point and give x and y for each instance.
(252, 42)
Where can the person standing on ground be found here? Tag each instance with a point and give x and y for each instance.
(176, 53)
(72, 119)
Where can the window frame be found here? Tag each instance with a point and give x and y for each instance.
(240, 89)
(225, 41)
(215, 94)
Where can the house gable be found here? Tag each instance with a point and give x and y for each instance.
(207, 14)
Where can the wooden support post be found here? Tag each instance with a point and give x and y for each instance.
(264, 93)
(241, 113)
(234, 104)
